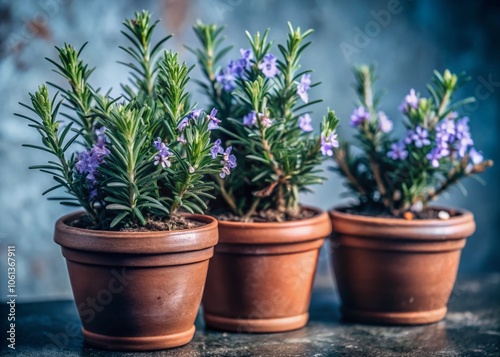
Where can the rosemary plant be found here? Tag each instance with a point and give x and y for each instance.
(400, 175)
(264, 105)
(145, 156)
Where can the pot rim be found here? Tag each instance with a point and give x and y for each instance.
(137, 242)
(464, 215)
(266, 225)
(307, 229)
(456, 227)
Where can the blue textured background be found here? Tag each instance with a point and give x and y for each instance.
(424, 35)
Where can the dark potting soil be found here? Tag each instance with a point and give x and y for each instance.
(152, 224)
(267, 216)
(377, 211)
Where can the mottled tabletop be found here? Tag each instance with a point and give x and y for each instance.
(471, 328)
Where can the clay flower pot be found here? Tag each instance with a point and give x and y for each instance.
(393, 271)
(137, 290)
(261, 276)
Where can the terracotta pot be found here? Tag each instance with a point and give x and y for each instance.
(261, 276)
(393, 271)
(137, 290)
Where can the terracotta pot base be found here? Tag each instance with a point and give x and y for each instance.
(261, 276)
(256, 325)
(149, 343)
(396, 272)
(394, 318)
(137, 291)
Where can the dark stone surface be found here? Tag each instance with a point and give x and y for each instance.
(471, 328)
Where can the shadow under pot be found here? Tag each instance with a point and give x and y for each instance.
(137, 290)
(261, 276)
(394, 271)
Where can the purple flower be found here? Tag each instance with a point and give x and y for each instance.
(88, 163)
(229, 162)
(236, 68)
(328, 143)
(463, 137)
(195, 114)
(163, 155)
(250, 119)
(101, 136)
(183, 124)
(445, 131)
(410, 101)
(265, 121)
(420, 137)
(158, 144)
(434, 157)
(163, 160)
(303, 87)
(398, 151)
(227, 78)
(359, 116)
(305, 123)
(441, 150)
(409, 137)
(246, 57)
(213, 122)
(216, 149)
(268, 66)
(475, 156)
(384, 123)
(93, 194)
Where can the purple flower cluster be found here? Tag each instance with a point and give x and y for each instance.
(418, 137)
(228, 160)
(163, 155)
(453, 135)
(359, 116)
(269, 65)
(410, 101)
(88, 162)
(303, 86)
(328, 143)
(305, 123)
(235, 69)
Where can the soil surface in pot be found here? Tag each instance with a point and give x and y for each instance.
(382, 212)
(153, 224)
(269, 215)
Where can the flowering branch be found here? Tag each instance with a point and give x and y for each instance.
(263, 120)
(437, 144)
